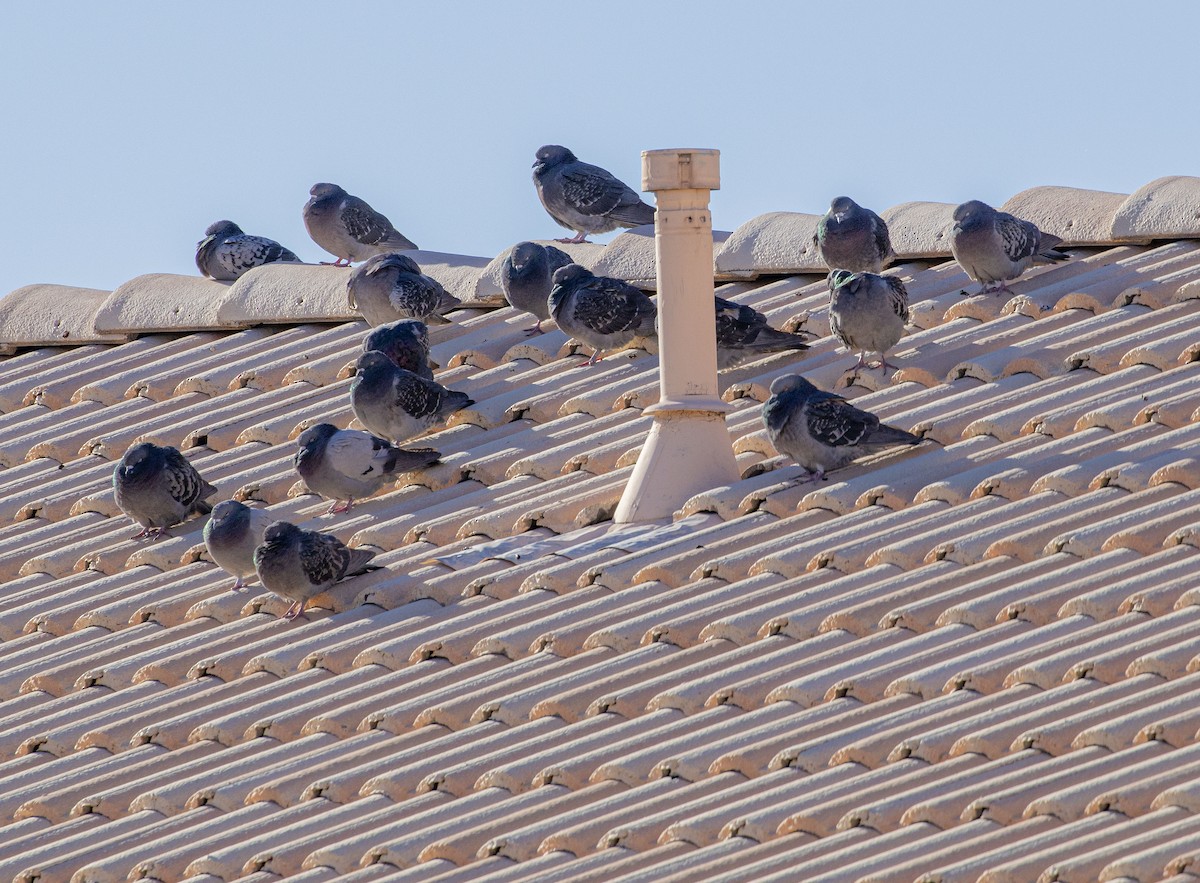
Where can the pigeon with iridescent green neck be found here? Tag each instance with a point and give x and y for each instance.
(993, 247)
(867, 312)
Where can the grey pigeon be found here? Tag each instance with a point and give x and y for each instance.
(225, 252)
(158, 488)
(347, 227)
(994, 246)
(300, 564)
(583, 197)
(231, 535)
(391, 286)
(398, 404)
(603, 312)
(743, 335)
(405, 342)
(525, 277)
(850, 237)
(821, 430)
(348, 464)
(867, 312)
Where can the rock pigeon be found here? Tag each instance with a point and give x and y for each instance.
(743, 335)
(867, 312)
(231, 535)
(225, 252)
(821, 430)
(405, 342)
(850, 237)
(398, 404)
(391, 286)
(525, 277)
(347, 464)
(994, 246)
(300, 564)
(602, 312)
(158, 488)
(347, 227)
(583, 197)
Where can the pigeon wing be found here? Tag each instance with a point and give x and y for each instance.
(417, 396)
(323, 558)
(835, 422)
(899, 297)
(357, 453)
(364, 223)
(883, 241)
(184, 482)
(591, 190)
(609, 306)
(1019, 238)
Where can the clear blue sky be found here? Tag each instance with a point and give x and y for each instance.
(128, 128)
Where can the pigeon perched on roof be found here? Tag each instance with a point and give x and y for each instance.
(231, 535)
(300, 564)
(603, 312)
(525, 277)
(583, 197)
(405, 342)
(348, 464)
(396, 403)
(743, 335)
(821, 430)
(867, 312)
(225, 252)
(850, 237)
(391, 286)
(347, 227)
(157, 487)
(994, 246)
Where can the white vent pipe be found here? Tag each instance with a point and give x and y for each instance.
(688, 449)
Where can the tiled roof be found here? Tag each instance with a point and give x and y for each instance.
(971, 660)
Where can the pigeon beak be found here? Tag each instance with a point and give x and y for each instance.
(205, 241)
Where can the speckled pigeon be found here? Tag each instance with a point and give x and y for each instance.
(300, 564)
(821, 430)
(744, 335)
(157, 487)
(405, 342)
(396, 403)
(525, 276)
(231, 535)
(994, 246)
(850, 237)
(391, 286)
(867, 312)
(348, 464)
(603, 312)
(583, 197)
(347, 227)
(225, 252)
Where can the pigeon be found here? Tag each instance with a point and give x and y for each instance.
(821, 430)
(396, 403)
(743, 335)
(158, 488)
(853, 238)
(346, 464)
(231, 534)
(602, 312)
(225, 252)
(300, 564)
(391, 286)
(405, 342)
(994, 246)
(347, 227)
(583, 197)
(525, 276)
(867, 312)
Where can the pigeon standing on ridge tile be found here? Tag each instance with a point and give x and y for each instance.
(396, 403)
(744, 335)
(299, 564)
(232, 534)
(391, 286)
(225, 252)
(867, 312)
(583, 197)
(347, 464)
(603, 312)
(158, 488)
(525, 276)
(820, 430)
(347, 227)
(994, 246)
(405, 342)
(850, 237)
